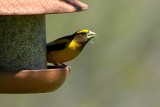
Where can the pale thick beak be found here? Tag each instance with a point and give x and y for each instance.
(91, 35)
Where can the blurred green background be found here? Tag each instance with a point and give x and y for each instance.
(121, 68)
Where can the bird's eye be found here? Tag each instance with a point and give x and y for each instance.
(84, 33)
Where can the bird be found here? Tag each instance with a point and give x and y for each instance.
(68, 47)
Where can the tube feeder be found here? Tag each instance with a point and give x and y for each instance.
(23, 66)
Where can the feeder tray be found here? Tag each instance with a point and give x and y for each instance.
(33, 81)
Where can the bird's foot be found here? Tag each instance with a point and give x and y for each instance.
(60, 65)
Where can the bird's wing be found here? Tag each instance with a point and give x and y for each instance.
(59, 44)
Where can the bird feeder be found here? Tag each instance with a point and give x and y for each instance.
(23, 66)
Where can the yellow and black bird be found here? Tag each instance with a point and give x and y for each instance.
(67, 48)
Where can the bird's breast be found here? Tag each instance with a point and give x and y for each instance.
(67, 54)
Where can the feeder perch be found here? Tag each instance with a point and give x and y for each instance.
(23, 66)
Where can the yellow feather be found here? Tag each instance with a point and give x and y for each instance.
(83, 31)
(73, 45)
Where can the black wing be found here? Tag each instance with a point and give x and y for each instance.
(59, 44)
(56, 46)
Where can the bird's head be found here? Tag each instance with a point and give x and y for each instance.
(83, 36)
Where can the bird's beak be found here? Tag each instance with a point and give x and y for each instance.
(91, 35)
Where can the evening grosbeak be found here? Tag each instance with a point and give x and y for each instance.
(67, 48)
